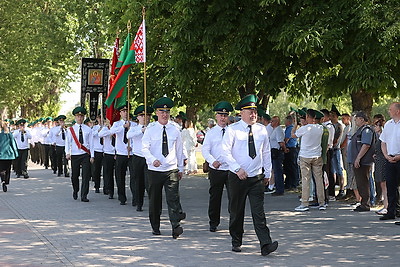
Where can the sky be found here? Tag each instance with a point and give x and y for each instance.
(69, 100)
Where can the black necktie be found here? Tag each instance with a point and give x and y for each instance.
(125, 138)
(164, 143)
(101, 141)
(223, 131)
(113, 140)
(63, 134)
(22, 137)
(80, 134)
(252, 148)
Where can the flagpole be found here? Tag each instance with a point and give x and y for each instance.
(144, 77)
(128, 26)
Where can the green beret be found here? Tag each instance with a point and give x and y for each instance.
(86, 121)
(62, 117)
(79, 111)
(125, 106)
(21, 121)
(49, 119)
(334, 109)
(73, 122)
(267, 116)
(318, 114)
(247, 102)
(140, 110)
(223, 107)
(11, 122)
(302, 113)
(56, 118)
(155, 117)
(163, 104)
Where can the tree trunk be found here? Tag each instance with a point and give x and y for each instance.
(191, 113)
(247, 89)
(362, 101)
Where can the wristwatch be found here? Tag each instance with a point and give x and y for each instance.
(236, 170)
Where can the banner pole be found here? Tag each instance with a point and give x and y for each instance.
(144, 73)
(128, 26)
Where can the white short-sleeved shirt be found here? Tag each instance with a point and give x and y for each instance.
(310, 145)
(391, 136)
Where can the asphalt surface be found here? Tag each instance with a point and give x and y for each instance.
(41, 225)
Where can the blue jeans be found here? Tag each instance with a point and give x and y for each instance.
(337, 167)
(277, 167)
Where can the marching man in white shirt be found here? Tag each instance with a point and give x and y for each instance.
(79, 149)
(212, 153)
(139, 162)
(163, 149)
(22, 135)
(247, 152)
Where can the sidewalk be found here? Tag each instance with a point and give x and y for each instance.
(41, 225)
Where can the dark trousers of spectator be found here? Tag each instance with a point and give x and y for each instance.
(291, 168)
(96, 169)
(239, 190)
(76, 162)
(277, 167)
(392, 183)
(61, 161)
(5, 170)
(108, 173)
(121, 166)
(218, 179)
(139, 172)
(362, 179)
(41, 153)
(21, 163)
(331, 177)
(170, 182)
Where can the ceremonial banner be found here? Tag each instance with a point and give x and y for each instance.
(94, 80)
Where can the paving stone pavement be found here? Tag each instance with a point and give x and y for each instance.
(41, 225)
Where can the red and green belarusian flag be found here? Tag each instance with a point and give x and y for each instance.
(131, 53)
(111, 114)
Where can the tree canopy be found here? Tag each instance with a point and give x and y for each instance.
(200, 52)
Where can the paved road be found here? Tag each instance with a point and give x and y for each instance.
(41, 225)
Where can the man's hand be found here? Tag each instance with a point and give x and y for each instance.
(127, 124)
(266, 180)
(357, 163)
(180, 175)
(156, 163)
(242, 174)
(92, 160)
(68, 157)
(216, 164)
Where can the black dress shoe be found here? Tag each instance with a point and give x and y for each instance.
(26, 176)
(85, 200)
(269, 248)
(67, 175)
(156, 232)
(122, 203)
(4, 187)
(54, 172)
(59, 175)
(18, 176)
(139, 208)
(105, 192)
(397, 223)
(386, 217)
(97, 190)
(360, 209)
(176, 232)
(182, 216)
(110, 197)
(75, 195)
(213, 228)
(134, 204)
(236, 249)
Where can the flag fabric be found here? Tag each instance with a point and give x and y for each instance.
(131, 53)
(112, 114)
(123, 66)
(140, 44)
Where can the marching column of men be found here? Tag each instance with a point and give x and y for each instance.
(155, 156)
